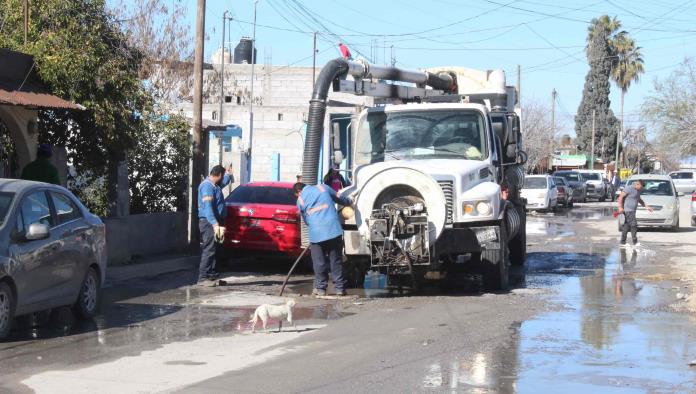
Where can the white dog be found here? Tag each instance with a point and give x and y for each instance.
(267, 311)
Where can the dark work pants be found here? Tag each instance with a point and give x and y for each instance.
(207, 265)
(328, 255)
(631, 223)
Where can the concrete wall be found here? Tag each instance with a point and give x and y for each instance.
(144, 235)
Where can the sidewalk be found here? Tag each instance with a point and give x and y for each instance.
(149, 268)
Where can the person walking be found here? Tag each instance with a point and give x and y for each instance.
(628, 204)
(318, 209)
(335, 180)
(41, 169)
(211, 218)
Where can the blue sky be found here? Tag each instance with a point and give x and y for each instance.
(545, 37)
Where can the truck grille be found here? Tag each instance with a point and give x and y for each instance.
(448, 190)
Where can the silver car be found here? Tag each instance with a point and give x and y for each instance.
(52, 252)
(660, 194)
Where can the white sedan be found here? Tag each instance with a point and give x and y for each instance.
(660, 194)
(540, 192)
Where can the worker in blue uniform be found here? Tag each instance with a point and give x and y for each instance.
(318, 209)
(211, 219)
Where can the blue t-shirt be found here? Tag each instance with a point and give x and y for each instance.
(211, 202)
(317, 204)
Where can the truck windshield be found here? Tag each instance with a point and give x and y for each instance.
(421, 134)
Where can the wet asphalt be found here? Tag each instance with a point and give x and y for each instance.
(582, 316)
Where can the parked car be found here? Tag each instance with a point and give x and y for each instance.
(660, 194)
(596, 188)
(565, 192)
(684, 181)
(540, 191)
(52, 252)
(693, 210)
(263, 217)
(577, 182)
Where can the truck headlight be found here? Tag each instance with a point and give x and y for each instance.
(482, 208)
(542, 195)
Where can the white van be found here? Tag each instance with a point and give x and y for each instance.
(540, 192)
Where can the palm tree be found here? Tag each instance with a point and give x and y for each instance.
(627, 69)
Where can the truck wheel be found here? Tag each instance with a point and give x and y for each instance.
(7, 309)
(518, 245)
(494, 264)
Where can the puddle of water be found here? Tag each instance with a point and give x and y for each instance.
(612, 333)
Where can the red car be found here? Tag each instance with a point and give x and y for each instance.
(263, 217)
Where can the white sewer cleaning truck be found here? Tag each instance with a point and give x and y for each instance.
(436, 171)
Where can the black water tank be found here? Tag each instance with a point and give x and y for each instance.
(242, 52)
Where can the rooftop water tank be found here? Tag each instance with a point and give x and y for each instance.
(242, 52)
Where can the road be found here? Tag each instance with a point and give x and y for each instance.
(582, 316)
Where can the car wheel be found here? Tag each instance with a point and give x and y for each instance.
(7, 309)
(87, 304)
(675, 228)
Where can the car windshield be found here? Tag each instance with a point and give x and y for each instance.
(682, 175)
(5, 202)
(591, 176)
(655, 187)
(559, 180)
(421, 134)
(570, 176)
(535, 183)
(262, 195)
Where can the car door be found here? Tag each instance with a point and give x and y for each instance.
(71, 231)
(34, 279)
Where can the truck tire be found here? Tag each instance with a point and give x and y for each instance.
(518, 245)
(494, 264)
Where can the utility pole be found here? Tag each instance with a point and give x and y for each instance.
(393, 59)
(314, 60)
(25, 11)
(553, 127)
(593, 134)
(197, 171)
(619, 138)
(519, 86)
(251, 100)
(222, 67)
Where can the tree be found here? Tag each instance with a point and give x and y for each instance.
(671, 109)
(538, 133)
(638, 150)
(86, 55)
(595, 98)
(627, 68)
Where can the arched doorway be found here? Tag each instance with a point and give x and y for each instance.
(9, 165)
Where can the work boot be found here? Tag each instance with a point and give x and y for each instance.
(319, 292)
(341, 293)
(207, 283)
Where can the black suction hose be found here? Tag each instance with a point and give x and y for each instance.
(315, 118)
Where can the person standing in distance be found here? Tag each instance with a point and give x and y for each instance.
(628, 204)
(211, 218)
(318, 209)
(41, 169)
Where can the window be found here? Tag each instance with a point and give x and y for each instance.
(263, 195)
(682, 175)
(5, 201)
(535, 183)
(214, 115)
(421, 134)
(592, 176)
(66, 210)
(280, 116)
(35, 209)
(228, 99)
(655, 187)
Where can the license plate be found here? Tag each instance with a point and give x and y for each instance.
(486, 235)
(251, 222)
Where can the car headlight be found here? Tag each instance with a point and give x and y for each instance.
(542, 195)
(482, 208)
